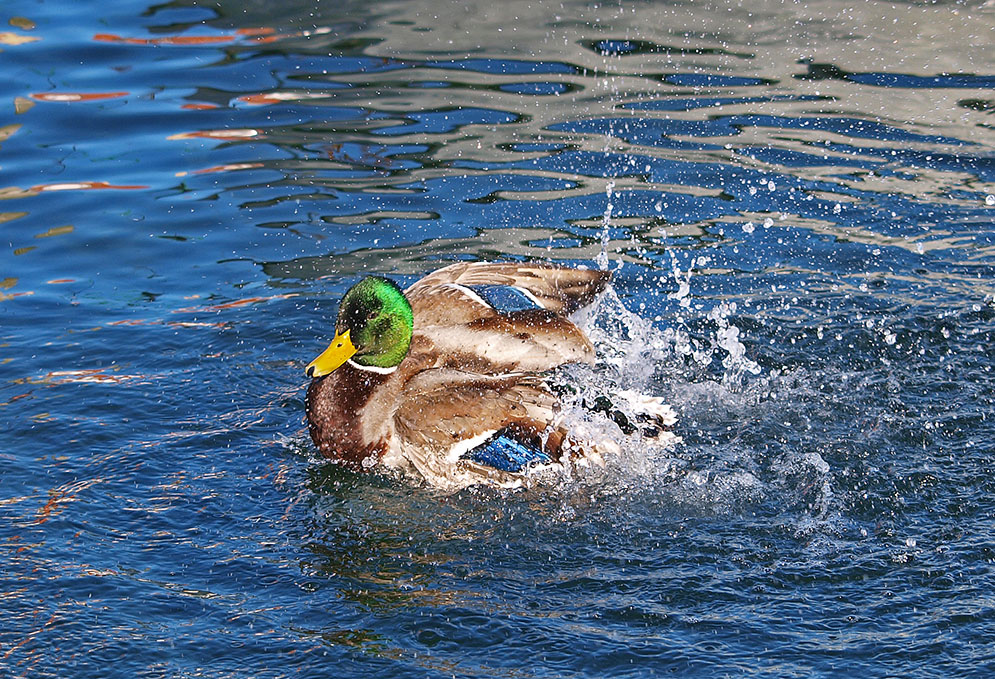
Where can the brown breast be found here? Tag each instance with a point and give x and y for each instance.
(338, 419)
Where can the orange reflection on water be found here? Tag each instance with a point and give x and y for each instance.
(233, 304)
(14, 399)
(263, 34)
(84, 186)
(256, 32)
(172, 324)
(198, 324)
(222, 168)
(4, 296)
(166, 40)
(65, 493)
(10, 192)
(217, 134)
(129, 321)
(77, 96)
(7, 284)
(30, 636)
(266, 98)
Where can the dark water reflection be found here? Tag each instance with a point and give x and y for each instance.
(798, 200)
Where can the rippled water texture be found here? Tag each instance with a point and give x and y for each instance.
(798, 201)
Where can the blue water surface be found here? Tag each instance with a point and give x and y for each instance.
(798, 203)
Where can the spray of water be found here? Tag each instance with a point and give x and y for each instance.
(703, 467)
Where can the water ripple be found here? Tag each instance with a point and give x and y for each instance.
(797, 205)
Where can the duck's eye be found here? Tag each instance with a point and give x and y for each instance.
(370, 316)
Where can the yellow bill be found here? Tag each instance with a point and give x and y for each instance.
(337, 353)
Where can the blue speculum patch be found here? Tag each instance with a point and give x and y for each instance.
(505, 453)
(504, 298)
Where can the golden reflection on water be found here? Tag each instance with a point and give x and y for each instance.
(14, 39)
(7, 131)
(22, 105)
(8, 216)
(24, 23)
(56, 231)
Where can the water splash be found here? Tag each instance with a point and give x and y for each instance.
(703, 474)
(602, 259)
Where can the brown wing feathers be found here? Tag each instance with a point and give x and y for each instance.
(440, 408)
(557, 289)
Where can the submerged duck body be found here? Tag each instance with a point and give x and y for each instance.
(419, 379)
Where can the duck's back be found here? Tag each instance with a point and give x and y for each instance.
(560, 290)
(456, 316)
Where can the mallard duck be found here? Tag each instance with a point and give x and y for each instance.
(437, 381)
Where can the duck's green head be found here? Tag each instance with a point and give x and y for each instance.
(373, 328)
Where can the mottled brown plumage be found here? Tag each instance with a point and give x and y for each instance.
(470, 371)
